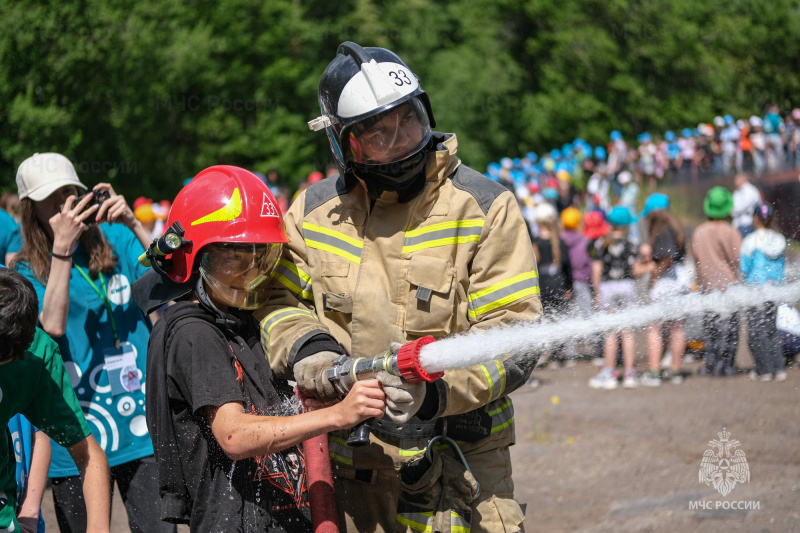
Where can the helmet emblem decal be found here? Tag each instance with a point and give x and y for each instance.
(268, 209)
(224, 214)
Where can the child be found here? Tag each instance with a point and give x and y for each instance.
(715, 248)
(34, 382)
(613, 271)
(762, 261)
(32, 452)
(662, 256)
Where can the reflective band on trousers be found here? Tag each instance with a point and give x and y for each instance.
(443, 234)
(294, 279)
(420, 519)
(339, 450)
(503, 293)
(332, 241)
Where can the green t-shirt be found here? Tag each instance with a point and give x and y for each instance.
(38, 387)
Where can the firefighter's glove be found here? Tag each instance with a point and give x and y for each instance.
(403, 399)
(309, 373)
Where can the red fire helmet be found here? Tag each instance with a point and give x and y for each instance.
(223, 204)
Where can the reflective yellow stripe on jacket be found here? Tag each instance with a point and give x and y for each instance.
(503, 293)
(332, 241)
(278, 316)
(442, 234)
(502, 415)
(496, 378)
(293, 279)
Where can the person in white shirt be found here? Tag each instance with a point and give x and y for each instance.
(745, 198)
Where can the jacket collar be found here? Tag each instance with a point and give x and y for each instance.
(442, 162)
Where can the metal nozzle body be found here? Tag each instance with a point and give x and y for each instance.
(347, 370)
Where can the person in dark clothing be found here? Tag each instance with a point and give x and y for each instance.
(663, 257)
(222, 426)
(553, 259)
(555, 271)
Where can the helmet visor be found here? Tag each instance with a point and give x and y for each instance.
(390, 136)
(239, 273)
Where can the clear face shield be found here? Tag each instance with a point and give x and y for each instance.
(239, 273)
(390, 136)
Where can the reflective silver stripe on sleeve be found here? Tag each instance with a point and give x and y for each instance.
(502, 414)
(496, 376)
(274, 318)
(293, 279)
(503, 293)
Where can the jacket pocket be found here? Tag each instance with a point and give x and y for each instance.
(431, 296)
(336, 295)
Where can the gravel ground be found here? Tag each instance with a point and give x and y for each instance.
(629, 459)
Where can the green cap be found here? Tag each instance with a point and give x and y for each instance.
(718, 202)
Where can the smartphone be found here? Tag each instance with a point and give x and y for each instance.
(98, 197)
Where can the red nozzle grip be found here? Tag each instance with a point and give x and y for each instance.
(408, 362)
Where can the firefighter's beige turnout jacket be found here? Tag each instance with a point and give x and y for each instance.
(456, 257)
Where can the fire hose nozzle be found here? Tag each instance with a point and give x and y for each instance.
(405, 364)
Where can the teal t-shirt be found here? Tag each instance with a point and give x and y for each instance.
(10, 241)
(117, 421)
(39, 387)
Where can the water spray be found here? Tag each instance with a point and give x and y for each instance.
(426, 360)
(480, 346)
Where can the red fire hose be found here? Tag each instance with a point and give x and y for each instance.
(321, 496)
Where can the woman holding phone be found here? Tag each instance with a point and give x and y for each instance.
(81, 254)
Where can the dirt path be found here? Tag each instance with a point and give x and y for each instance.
(629, 460)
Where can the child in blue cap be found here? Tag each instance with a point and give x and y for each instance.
(615, 265)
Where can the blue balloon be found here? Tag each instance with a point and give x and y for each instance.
(669, 136)
(686, 132)
(533, 156)
(517, 162)
(615, 135)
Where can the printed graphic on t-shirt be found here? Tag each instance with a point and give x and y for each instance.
(287, 472)
(119, 289)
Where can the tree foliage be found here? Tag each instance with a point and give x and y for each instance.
(147, 94)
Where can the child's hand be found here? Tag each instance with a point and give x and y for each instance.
(365, 400)
(646, 253)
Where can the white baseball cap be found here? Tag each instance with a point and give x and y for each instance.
(41, 175)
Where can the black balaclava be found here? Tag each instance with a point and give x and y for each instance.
(406, 177)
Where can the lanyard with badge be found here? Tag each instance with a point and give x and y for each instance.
(123, 374)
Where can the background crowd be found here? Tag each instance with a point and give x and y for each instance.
(596, 252)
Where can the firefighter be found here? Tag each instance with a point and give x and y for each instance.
(405, 242)
(226, 449)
